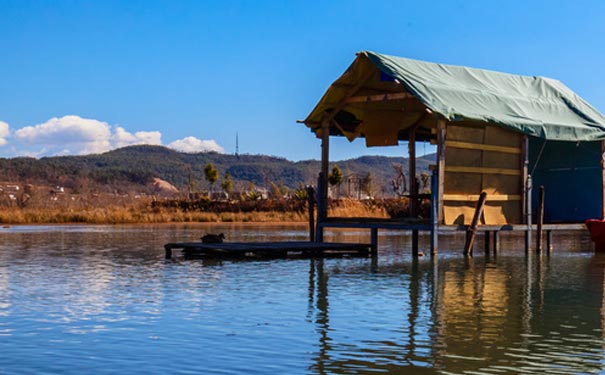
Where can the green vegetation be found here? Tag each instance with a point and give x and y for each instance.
(131, 169)
(211, 174)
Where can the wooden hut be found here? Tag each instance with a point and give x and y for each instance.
(496, 133)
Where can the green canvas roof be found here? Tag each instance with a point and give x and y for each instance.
(537, 106)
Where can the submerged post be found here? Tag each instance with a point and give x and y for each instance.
(472, 229)
(311, 204)
(374, 241)
(540, 219)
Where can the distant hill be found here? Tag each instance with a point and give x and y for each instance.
(133, 168)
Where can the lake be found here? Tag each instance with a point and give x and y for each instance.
(102, 299)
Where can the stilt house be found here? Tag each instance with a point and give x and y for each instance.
(496, 133)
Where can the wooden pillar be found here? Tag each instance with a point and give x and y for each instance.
(528, 214)
(487, 238)
(441, 129)
(524, 173)
(322, 181)
(325, 165)
(526, 192)
(603, 179)
(540, 220)
(311, 209)
(412, 173)
(434, 213)
(496, 242)
(374, 241)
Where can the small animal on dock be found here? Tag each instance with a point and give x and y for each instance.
(213, 238)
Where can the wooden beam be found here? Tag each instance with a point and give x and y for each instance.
(441, 128)
(483, 147)
(472, 229)
(379, 97)
(475, 197)
(482, 170)
(343, 101)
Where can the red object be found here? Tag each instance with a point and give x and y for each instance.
(596, 227)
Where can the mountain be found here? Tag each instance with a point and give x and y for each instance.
(132, 168)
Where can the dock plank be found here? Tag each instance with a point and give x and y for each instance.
(268, 249)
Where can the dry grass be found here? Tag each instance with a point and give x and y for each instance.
(146, 212)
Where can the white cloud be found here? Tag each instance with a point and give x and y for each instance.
(74, 135)
(122, 138)
(193, 144)
(4, 132)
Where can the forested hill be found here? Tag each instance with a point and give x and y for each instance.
(130, 167)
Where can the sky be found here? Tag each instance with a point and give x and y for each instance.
(80, 77)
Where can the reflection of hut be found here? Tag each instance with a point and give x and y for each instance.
(492, 131)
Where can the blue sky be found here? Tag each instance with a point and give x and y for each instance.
(87, 76)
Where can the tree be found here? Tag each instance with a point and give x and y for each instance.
(211, 174)
(399, 184)
(335, 177)
(227, 183)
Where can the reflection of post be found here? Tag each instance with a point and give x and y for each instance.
(311, 298)
(413, 315)
(437, 317)
(322, 321)
(540, 278)
(526, 306)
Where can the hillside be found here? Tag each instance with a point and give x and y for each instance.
(133, 169)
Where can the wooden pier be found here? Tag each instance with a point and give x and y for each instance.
(269, 249)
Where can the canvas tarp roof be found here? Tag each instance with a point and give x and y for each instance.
(537, 106)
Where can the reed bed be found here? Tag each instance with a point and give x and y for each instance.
(177, 211)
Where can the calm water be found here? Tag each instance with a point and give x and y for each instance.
(102, 299)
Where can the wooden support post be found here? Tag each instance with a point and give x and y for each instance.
(415, 243)
(319, 231)
(487, 238)
(540, 219)
(374, 241)
(441, 134)
(472, 229)
(325, 166)
(549, 241)
(322, 182)
(434, 213)
(528, 187)
(168, 254)
(311, 204)
(524, 173)
(603, 179)
(412, 173)
(496, 242)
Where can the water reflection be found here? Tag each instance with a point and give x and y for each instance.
(460, 316)
(76, 299)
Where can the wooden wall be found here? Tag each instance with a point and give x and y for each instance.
(482, 158)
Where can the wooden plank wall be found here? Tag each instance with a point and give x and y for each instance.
(482, 158)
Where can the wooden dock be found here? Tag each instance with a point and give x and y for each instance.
(268, 249)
